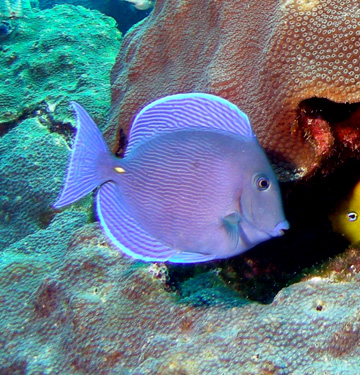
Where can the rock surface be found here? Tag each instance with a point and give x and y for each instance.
(87, 309)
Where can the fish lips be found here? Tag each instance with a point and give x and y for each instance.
(251, 238)
(280, 229)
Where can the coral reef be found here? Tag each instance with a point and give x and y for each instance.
(32, 169)
(70, 302)
(44, 67)
(269, 58)
(87, 309)
(125, 14)
(342, 268)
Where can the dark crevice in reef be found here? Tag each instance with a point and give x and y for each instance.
(7, 126)
(328, 110)
(46, 218)
(260, 273)
(26, 114)
(121, 144)
(45, 117)
(333, 129)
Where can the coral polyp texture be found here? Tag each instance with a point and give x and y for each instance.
(53, 56)
(266, 57)
(87, 309)
(42, 68)
(31, 169)
(73, 304)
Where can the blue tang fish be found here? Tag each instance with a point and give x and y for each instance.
(194, 183)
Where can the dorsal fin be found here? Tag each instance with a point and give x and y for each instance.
(187, 111)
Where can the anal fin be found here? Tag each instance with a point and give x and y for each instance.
(190, 257)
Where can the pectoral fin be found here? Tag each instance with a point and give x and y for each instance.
(231, 225)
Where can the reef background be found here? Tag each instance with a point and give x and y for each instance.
(72, 304)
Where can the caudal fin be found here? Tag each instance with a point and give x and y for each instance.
(88, 157)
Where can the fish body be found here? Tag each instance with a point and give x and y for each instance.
(142, 4)
(345, 219)
(194, 183)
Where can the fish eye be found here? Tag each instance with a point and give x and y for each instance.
(352, 216)
(262, 182)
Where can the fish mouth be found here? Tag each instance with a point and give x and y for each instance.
(261, 235)
(280, 228)
(278, 231)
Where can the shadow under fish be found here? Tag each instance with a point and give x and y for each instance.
(194, 184)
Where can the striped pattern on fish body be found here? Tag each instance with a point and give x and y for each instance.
(188, 189)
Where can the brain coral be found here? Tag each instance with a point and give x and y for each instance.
(88, 310)
(266, 57)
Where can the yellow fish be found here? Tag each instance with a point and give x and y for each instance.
(345, 219)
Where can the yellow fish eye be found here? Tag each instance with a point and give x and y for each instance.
(352, 216)
(345, 218)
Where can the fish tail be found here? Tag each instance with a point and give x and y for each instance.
(90, 160)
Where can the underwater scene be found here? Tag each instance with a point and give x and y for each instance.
(180, 187)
